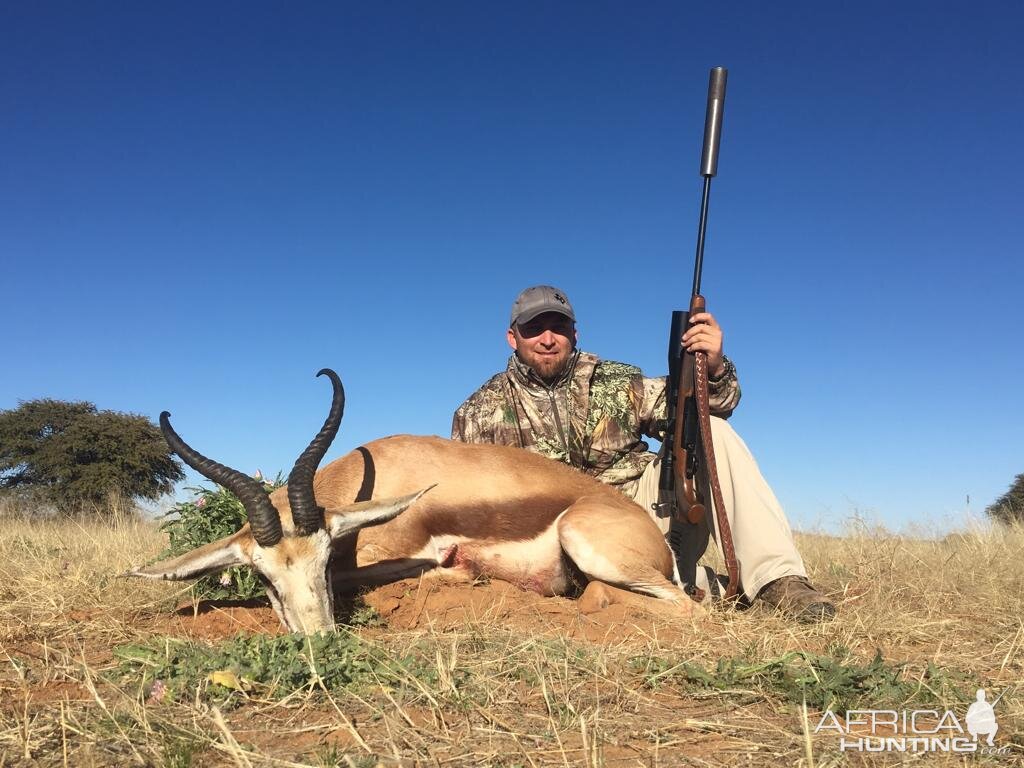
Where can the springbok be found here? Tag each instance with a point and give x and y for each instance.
(367, 519)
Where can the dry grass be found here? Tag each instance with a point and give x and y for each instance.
(494, 691)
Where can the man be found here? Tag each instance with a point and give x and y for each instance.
(593, 414)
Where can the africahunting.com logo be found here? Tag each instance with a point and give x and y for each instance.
(917, 731)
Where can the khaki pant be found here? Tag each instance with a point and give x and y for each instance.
(764, 544)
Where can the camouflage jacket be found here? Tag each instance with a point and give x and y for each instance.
(593, 418)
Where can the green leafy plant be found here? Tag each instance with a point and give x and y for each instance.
(272, 667)
(826, 682)
(178, 752)
(212, 514)
(362, 615)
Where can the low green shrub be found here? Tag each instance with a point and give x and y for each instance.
(209, 515)
(171, 669)
(826, 682)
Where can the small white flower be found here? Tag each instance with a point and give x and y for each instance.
(158, 691)
(225, 579)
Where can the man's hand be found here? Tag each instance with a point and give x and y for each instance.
(705, 335)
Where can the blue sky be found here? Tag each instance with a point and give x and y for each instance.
(203, 204)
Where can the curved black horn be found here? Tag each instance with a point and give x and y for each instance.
(307, 516)
(263, 518)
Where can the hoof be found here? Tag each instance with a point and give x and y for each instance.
(596, 597)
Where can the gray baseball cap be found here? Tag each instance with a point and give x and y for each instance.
(537, 300)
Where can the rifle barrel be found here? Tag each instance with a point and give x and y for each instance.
(709, 160)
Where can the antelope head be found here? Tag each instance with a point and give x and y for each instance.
(291, 562)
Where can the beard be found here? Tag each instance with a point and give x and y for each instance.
(548, 367)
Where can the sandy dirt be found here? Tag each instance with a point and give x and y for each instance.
(413, 604)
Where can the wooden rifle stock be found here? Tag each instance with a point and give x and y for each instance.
(690, 504)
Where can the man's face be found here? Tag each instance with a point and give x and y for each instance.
(545, 343)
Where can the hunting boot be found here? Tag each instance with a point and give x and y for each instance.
(795, 597)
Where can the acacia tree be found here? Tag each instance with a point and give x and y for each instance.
(75, 458)
(1009, 507)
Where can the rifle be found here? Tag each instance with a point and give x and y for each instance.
(688, 412)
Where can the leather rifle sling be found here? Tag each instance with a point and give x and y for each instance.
(704, 417)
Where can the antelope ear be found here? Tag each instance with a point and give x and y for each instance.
(364, 514)
(207, 559)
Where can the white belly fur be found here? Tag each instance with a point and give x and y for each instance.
(533, 564)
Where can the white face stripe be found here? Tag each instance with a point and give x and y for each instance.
(296, 567)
